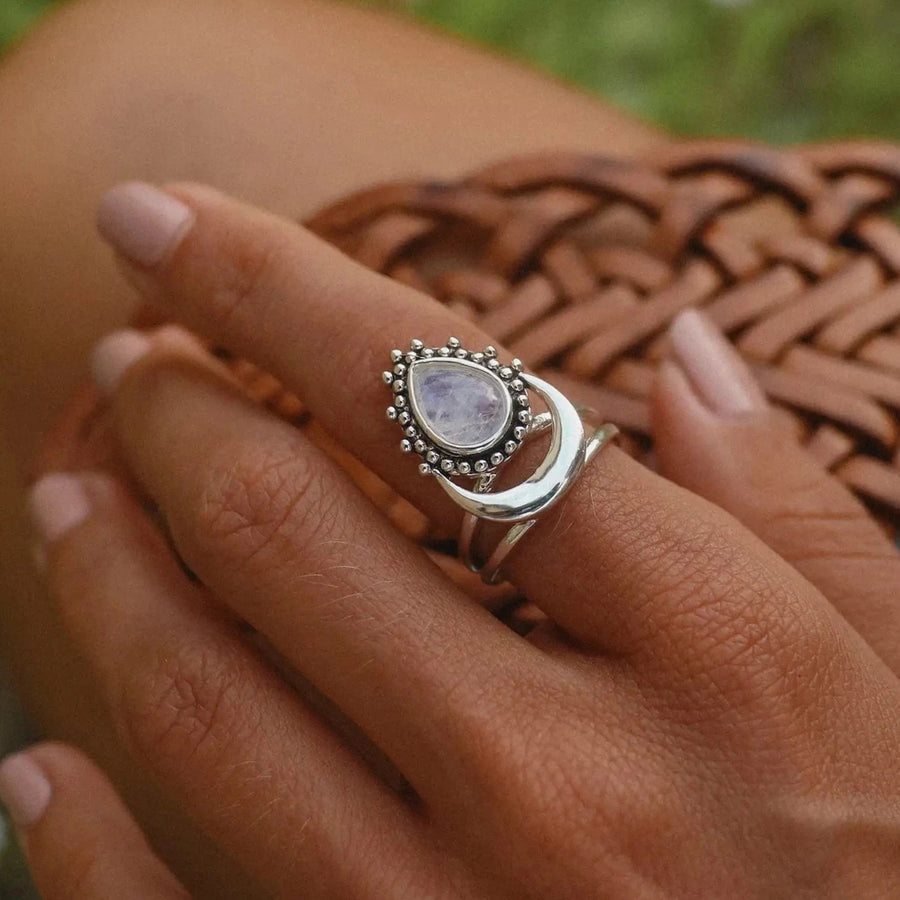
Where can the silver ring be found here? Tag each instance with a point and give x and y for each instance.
(466, 414)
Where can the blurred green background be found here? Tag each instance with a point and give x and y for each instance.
(779, 70)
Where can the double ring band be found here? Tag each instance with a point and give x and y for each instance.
(466, 414)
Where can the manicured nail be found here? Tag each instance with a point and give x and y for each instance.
(24, 789)
(57, 503)
(142, 222)
(716, 371)
(114, 354)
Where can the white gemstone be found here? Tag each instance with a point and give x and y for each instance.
(462, 406)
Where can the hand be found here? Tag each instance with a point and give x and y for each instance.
(712, 712)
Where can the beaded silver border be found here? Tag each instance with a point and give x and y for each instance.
(437, 460)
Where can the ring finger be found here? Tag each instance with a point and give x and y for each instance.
(622, 556)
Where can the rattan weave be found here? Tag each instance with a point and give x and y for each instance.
(578, 263)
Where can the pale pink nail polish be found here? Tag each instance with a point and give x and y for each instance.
(114, 354)
(716, 371)
(24, 789)
(57, 503)
(142, 222)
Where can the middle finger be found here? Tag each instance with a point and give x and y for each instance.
(279, 533)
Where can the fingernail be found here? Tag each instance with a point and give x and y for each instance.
(24, 789)
(57, 503)
(716, 371)
(114, 354)
(142, 222)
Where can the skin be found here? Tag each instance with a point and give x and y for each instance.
(105, 90)
(70, 138)
(702, 719)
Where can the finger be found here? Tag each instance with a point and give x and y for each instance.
(201, 711)
(736, 455)
(79, 838)
(283, 537)
(615, 564)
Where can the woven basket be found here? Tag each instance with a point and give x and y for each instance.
(578, 264)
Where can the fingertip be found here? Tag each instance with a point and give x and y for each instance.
(114, 354)
(721, 378)
(674, 403)
(25, 789)
(143, 223)
(57, 503)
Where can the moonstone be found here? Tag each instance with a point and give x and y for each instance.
(462, 406)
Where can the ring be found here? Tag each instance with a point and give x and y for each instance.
(466, 414)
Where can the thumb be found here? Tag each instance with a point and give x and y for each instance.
(78, 837)
(716, 435)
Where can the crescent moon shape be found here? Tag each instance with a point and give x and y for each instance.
(564, 461)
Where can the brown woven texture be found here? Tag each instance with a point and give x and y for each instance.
(578, 264)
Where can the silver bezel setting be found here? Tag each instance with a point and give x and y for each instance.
(438, 457)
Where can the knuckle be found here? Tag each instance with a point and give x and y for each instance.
(255, 506)
(183, 707)
(243, 274)
(76, 871)
(561, 802)
(742, 625)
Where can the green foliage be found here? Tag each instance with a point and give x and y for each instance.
(16, 15)
(780, 70)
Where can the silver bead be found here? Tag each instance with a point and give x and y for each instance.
(522, 399)
(392, 412)
(510, 447)
(400, 369)
(424, 469)
(416, 345)
(396, 355)
(419, 446)
(427, 353)
(447, 465)
(399, 401)
(464, 468)
(404, 418)
(477, 357)
(387, 377)
(432, 457)
(405, 445)
(524, 416)
(496, 459)
(411, 357)
(516, 363)
(461, 353)
(411, 432)
(493, 364)
(519, 432)
(490, 351)
(444, 351)
(398, 385)
(453, 343)
(481, 465)
(517, 384)
(505, 372)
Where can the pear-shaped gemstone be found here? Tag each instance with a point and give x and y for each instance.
(462, 406)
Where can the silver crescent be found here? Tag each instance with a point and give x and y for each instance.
(560, 467)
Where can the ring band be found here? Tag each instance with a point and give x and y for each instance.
(490, 569)
(466, 414)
